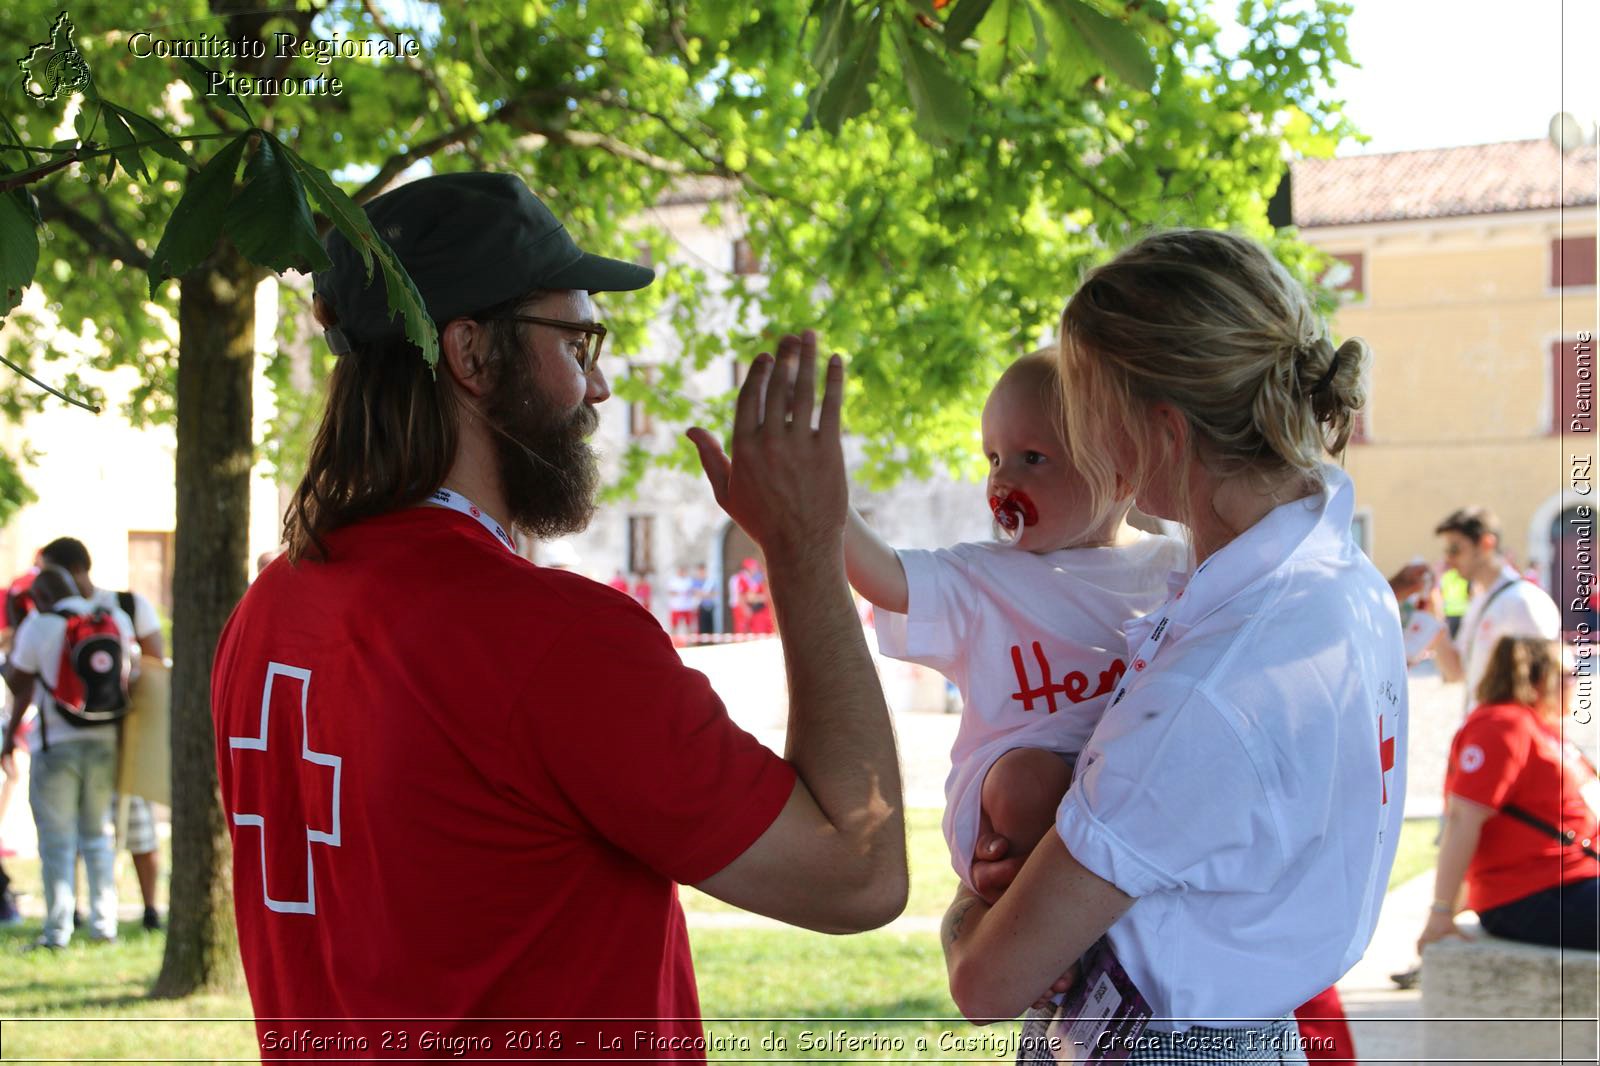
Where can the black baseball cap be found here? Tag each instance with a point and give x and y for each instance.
(469, 241)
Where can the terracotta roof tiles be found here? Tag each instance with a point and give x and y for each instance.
(1479, 179)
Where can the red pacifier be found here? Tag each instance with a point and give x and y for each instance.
(1013, 513)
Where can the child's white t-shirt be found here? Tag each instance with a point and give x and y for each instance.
(1033, 641)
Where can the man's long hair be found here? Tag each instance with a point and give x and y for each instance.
(387, 439)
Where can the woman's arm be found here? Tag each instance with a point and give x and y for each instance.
(873, 567)
(1001, 958)
(1463, 824)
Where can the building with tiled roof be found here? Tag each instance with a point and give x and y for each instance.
(1471, 272)
(1480, 179)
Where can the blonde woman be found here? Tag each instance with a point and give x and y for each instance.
(1235, 814)
(1520, 817)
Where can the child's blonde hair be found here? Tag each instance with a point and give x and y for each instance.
(1040, 370)
(1210, 323)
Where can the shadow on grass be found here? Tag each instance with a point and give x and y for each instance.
(81, 978)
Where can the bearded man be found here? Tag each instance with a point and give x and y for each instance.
(464, 787)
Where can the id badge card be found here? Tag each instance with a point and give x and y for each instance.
(1419, 634)
(1102, 1016)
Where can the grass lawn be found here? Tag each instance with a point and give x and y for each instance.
(1417, 852)
(886, 990)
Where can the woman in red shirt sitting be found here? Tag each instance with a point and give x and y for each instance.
(1520, 810)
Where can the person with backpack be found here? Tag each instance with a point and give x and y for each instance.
(71, 555)
(81, 657)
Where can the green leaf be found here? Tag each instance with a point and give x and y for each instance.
(159, 141)
(269, 220)
(346, 216)
(19, 247)
(87, 119)
(845, 94)
(405, 300)
(943, 106)
(122, 146)
(1005, 32)
(201, 77)
(833, 36)
(196, 222)
(1123, 50)
(965, 18)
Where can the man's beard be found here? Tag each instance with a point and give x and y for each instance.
(548, 471)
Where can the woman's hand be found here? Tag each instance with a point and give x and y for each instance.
(1439, 927)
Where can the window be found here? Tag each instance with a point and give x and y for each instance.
(1572, 384)
(1361, 531)
(1347, 274)
(641, 544)
(640, 421)
(744, 258)
(150, 561)
(1572, 262)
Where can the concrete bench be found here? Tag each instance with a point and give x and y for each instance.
(1489, 1000)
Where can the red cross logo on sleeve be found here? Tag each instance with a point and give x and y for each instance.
(286, 786)
(1385, 758)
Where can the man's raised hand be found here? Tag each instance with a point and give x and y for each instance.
(784, 483)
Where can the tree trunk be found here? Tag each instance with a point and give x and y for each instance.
(216, 448)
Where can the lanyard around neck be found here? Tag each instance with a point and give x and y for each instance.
(1152, 644)
(456, 502)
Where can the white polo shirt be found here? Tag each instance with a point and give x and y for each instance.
(1511, 606)
(145, 619)
(37, 649)
(1248, 788)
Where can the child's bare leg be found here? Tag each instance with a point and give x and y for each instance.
(1020, 795)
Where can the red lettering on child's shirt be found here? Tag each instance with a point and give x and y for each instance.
(1074, 685)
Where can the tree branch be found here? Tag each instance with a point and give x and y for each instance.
(398, 162)
(101, 236)
(620, 149)
(43, 170)
(417, 66)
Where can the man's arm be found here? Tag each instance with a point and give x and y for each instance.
(1001, 958)
(834, 859)
(1451, 666)
(21, 684)
(874, 568)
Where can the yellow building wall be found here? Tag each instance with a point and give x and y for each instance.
(1460, 316)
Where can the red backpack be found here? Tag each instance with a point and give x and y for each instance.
(91, 685)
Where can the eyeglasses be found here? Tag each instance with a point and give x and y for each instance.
(594, 335)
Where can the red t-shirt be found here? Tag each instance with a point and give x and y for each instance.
(463, 786)
(1504, 754)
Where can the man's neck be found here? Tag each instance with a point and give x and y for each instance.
(473, 474)
(1489, 573)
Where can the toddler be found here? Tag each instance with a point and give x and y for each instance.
(1030, 628)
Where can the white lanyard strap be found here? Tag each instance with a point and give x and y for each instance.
(456, 502)
(1152, 644)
